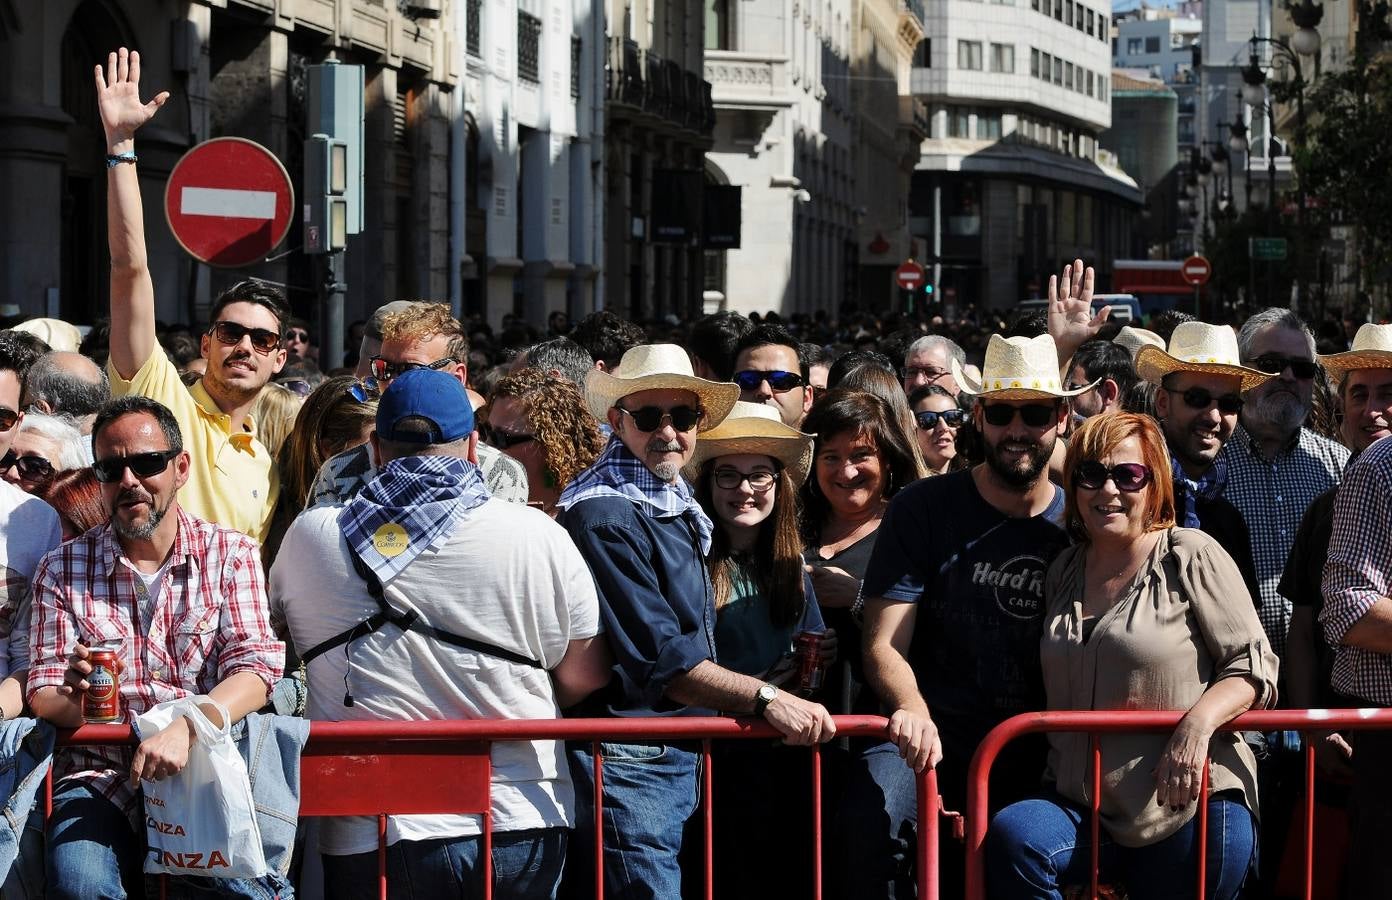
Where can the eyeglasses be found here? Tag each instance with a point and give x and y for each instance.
(500, 439)
(1034, 415)
(928, 419)
(1275, 362)
(930, 373)
(650, 418)
(30, 467)
(1128, 477)
(263, 340)
(365, 391)
(728, 479)
(143, 465)
(297, 334)
(1200, 399)
(386, 371)
(778, 381)
(8, 418)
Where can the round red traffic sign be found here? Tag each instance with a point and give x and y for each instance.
(229, 202)
(909, 276)
(1196, 270)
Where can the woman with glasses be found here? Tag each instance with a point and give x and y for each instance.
(938, 420)
(1140, 615)
(44, 446)
(541, 421)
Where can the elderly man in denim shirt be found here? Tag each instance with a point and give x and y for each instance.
(645, 539)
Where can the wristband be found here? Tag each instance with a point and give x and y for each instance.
(112, 161)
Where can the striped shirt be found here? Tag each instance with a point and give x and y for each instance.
(1272, 496)
(209, 622)
(1358, 572)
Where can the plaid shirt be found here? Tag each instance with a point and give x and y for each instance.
(1358, 572)
(210, 622)
(1272, 496)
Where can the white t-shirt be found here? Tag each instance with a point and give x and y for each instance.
(506, 575)
(29, 528)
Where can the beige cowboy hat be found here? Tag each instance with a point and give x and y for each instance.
(56, 333)
(1198, 347)
(1372, 349)
(651, 367)
(1018, 368)
(754, 428)
(1133, 339)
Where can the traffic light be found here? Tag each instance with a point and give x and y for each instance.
(928, 288)
(334, 110)
(326, 215)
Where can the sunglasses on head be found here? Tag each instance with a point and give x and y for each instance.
(1198, 398)
(1275, 362)
(386, 371)
(778, 381)
(263, 340)
(8, 418)
(650, 418)
(501, 440)
(1128, 477)
(30, 467)
(928, 419)
(142, 465)
(1034, 415)
(365, 391)
(729, 479)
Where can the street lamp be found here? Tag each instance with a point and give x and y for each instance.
(1237, 136)
(1306, 15)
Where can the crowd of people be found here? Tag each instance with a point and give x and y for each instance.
(611, 522)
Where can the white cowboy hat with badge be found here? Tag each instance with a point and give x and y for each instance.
(652, 367)
(1198, 347)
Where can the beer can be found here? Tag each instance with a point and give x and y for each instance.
(102, 701)
(807, 649)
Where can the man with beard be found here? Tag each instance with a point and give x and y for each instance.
(232, 478)
(1200, 393)
(181, 603)
(1275, 466)
(953, 611)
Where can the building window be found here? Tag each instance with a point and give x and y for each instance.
(1058, 10)
(923, 54)
(1102, 27)
(1089, 83)
(958, 122)
(528, 47)
(718, 25)
(1058, 70)
(1091, 22)
(1034, 62)
(575, 67)
(969, 55)
(1068, 12)
(988, 125)
(1152, 44)
(1178, 40)
(1046, 66)
(1133, 46)
(473, 26)
(1003, 58)
(1034, 4)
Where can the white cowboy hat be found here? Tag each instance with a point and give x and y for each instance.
(1133, 339)
(1198, 347)
(650, 367)
(754, 428)
(1018, 368)
(1372, 349)
(56, 333)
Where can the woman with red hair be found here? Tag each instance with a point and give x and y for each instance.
(76, 496)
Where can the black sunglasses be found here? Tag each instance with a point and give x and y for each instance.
(778, 381)
(928, 419)
(500, 439)
(110, 470)
(1128, 477)
(296, 334)
(262, 339)
(1034, 415)
(650, 418)
(8, 418)
(1275, 362)
(1198, 398)
(30, 467)
(386, 371)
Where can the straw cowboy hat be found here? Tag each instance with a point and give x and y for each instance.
(1198, 347)
(56, 333)
(1133, 339)
(754, 428)
(1018, 368)
(651, 367)
(1372, 349)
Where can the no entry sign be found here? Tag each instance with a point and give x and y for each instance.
(909, 276)
(228, 202)
(1196, 270)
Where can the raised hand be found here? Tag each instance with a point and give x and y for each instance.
(1071, 320)
(118, 99)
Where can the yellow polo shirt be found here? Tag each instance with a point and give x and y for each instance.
(232, 480)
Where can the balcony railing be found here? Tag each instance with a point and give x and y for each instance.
(528, 47)
(473, 27)
(575, 67)
(623, 76)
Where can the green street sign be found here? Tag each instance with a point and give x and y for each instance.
(1267, 248)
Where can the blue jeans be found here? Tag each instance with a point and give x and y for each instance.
(877, 826)
(526, 866)
(650, 790)
(1036, 847)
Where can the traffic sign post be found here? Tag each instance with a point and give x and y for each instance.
(1196, 271)
(228, 202)
(1270, 249)
(909, 277)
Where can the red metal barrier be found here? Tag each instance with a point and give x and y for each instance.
(382, 768)
(1096, 723)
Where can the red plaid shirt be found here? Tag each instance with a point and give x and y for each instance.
(210, 622)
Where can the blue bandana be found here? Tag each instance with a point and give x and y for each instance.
(1209, 486)
(411, 505)
(618, 473)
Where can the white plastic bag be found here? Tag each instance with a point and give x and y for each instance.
(201, 821)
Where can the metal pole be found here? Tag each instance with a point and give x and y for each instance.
(334, 290)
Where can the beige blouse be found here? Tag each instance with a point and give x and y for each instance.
(1186, 623)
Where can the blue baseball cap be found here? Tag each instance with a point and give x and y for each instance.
(426, 394)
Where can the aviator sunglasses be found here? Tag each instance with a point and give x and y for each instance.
(1128, 477)
(650, 418)
(143, 465)
(1034, 415)
(263, 340)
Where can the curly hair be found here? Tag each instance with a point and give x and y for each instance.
(569, 436)
(422, 321)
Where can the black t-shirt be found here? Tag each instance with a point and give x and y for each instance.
(977, 576)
